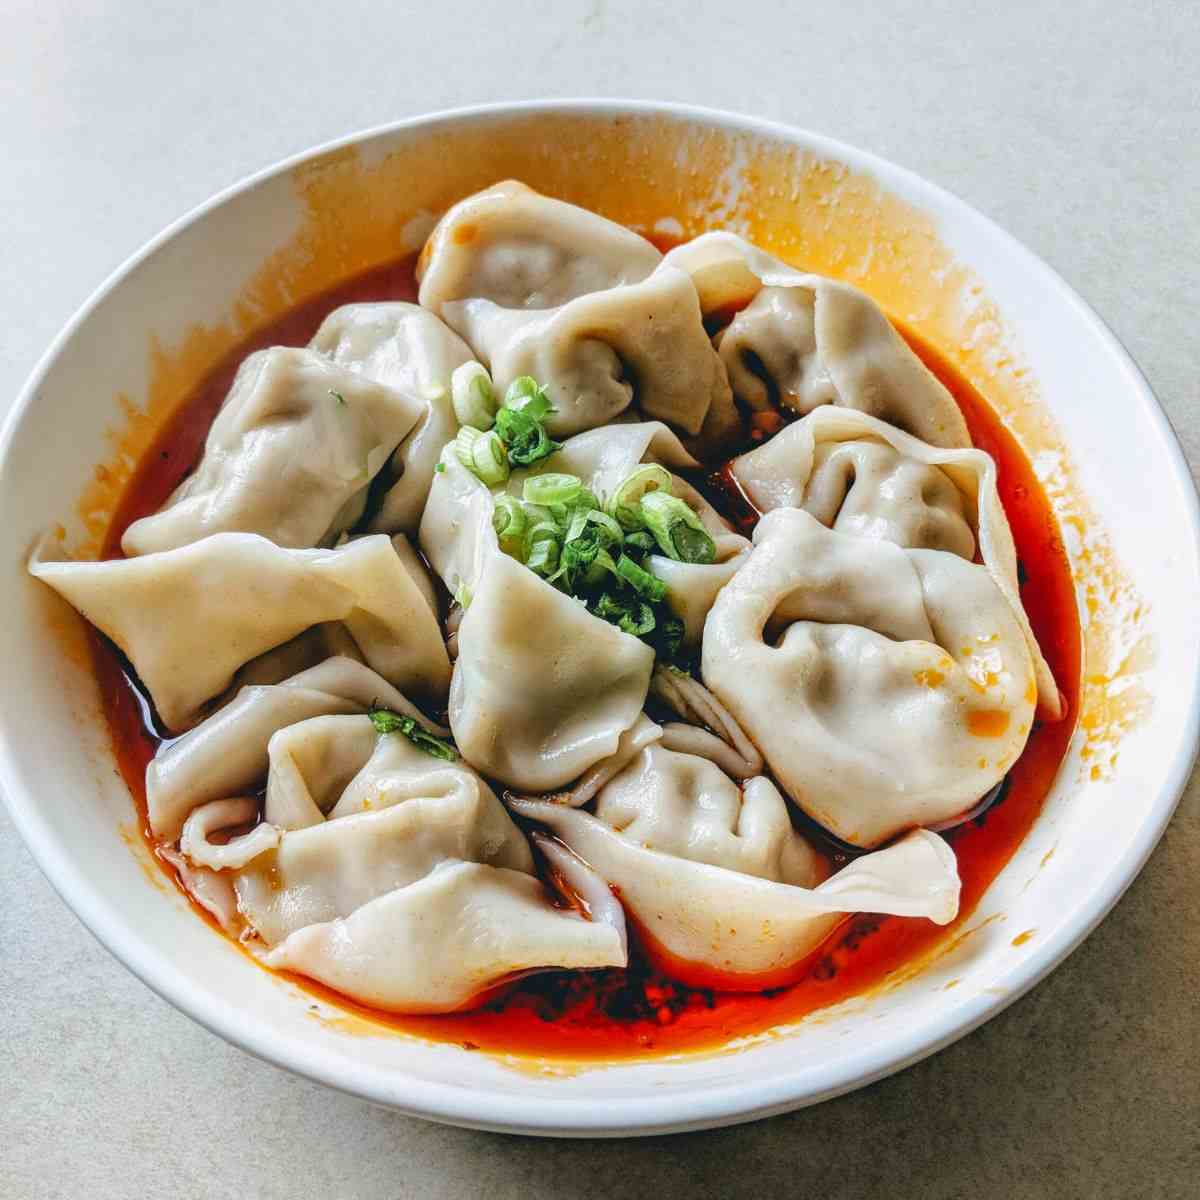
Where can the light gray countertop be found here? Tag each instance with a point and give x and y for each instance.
(1075, 125)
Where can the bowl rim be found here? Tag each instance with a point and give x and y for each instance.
(575, 1116)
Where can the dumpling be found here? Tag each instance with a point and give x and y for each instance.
(886, 688)
(723, 892)
(332, 638)
(289, 456)
(361, 813)
(520, 249)
(860, 475)
(601, 352)
(226, 754)
(804, 340)
(409, 349)
(684, 805)
(542, 689)
(418, 894)
(187, 619)
(604, 458)
(440, 944)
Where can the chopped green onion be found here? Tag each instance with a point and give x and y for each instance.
(639, 621)
(386, 721)
(482, 454)
(473, 398)
(337, 396)
(610, 532)
(525, 395)
(553, 487)
(462, 597)
(598, 568)
(510, 521)
(642, 541)
(646, 585)
(439, 468)
(543, 556)
(623, 503)
(677, 530)
(525, 436)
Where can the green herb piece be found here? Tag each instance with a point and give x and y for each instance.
(462, 597)
(511, 522)
(554, 487)
(525, 436)
(526, 395)
(337, 396)
(543, 557)
(623, 504)
(472, 395)
(647, 586)
(677, 530)
(440, 468)
(386, 721)
(641, 541)
(482, 454)
(639, 621)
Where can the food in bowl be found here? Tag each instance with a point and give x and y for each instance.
(643, 647)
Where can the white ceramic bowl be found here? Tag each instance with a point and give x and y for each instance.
(1060, 379)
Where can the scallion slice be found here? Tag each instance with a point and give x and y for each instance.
(554, 487)
(623, 504)
(646, 585)
(511, 523)
(472, 395)
(680, 534)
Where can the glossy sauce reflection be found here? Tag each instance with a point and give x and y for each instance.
(614, 1014)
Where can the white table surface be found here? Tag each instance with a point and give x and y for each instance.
(1076, 125)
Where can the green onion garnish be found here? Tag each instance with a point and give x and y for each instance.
(623, 504)
(553, 487)
(482, 454)
(647, 586)
(543, 557)
(677, 530)
(473, 398)
(511, 522)
(386, 721)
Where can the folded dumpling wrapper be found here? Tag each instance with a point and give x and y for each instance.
(860, 475)
(187, 619)
(408, 886)
(290, 455)
(719, 881)
(410, 350)
(226, 754)
(522, 250)
(597, 353)
(886, 688)
(804, 340)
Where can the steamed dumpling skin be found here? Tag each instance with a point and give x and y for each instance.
(722, 927)
(189, 618)
(438, 945)
(860, 475)
(521, 250)
(227, 754)
(408, 349)
(289, 456)
(886, 688)
(599, 352)
(804, 340)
